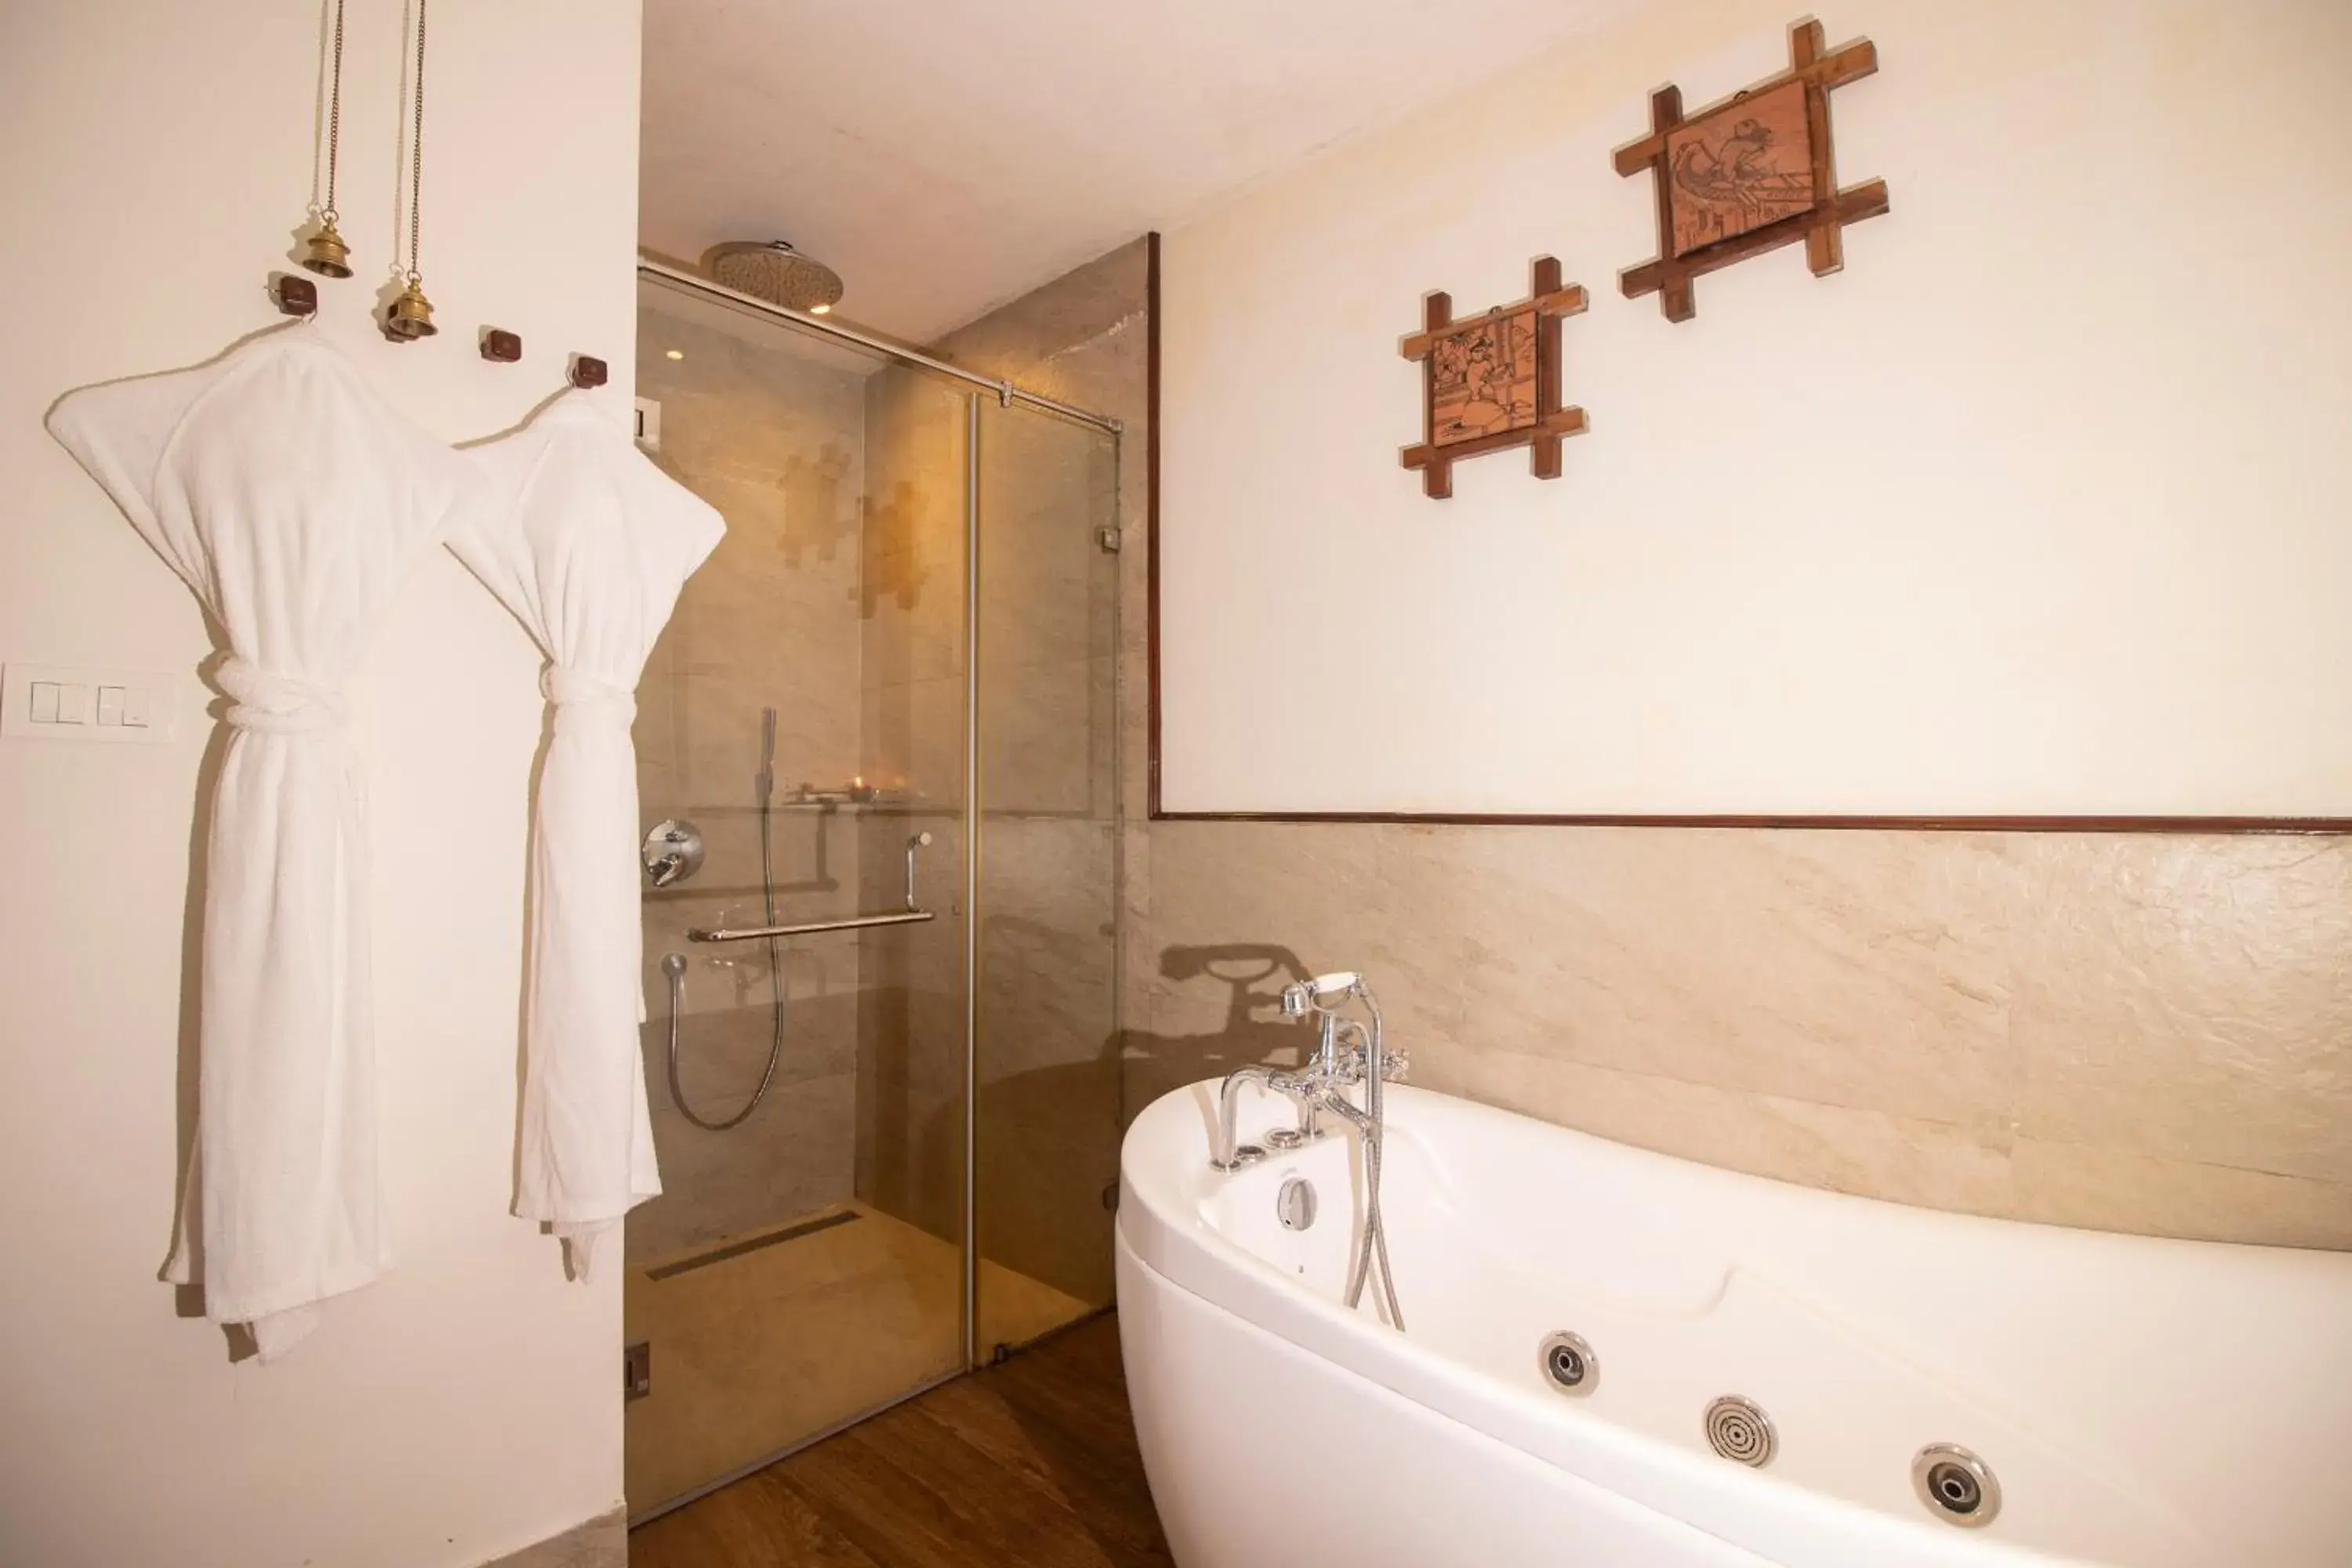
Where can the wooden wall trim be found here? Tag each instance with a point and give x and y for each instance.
(1151, 517)
(2242, 825)
(1159, 812)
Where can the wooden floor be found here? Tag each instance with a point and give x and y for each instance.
(1033, 1463)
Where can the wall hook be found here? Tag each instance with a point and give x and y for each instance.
(293, 295)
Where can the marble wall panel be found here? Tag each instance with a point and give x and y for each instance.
(2123, 1032)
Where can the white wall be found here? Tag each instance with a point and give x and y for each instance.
(154, 159)
(2038, 507)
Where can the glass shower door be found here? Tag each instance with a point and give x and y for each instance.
(1047, 1112)
(803, 1265)
(875, 1172)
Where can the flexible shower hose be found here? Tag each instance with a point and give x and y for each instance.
(1375, 1237)
(674, 967)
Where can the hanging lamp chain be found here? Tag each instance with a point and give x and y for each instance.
(334, 117)
(324, 252)
(417, 152)
(410, 317)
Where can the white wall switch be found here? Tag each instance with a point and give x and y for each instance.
(119, 707)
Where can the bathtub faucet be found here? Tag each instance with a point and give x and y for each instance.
(1338, 1063)
(1347, 1053)
(1231, 1153)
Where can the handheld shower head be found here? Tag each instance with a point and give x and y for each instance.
(1310, 995)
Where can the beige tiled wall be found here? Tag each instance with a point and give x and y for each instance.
(2133, 1032)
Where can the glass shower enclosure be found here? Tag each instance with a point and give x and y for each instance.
(888, 1149)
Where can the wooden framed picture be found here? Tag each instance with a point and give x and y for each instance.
(1749, 175)
(1491, 382)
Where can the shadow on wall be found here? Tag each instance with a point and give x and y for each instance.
(1252, 974)
(187, 1209)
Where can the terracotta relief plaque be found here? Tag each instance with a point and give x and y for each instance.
(1746, 164)
(1492, 382)
(1482, 379)
(1749, 175)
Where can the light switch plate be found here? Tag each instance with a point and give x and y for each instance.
(108, 702)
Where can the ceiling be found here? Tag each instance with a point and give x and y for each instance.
(945, 156)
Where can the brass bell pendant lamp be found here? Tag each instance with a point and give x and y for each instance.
(324, 252)
(410, 315)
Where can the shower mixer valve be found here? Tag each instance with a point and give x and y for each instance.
(673, 852)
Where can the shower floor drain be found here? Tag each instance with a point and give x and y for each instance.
(1738, 1430)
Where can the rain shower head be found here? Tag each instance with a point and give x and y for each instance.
(773, 270)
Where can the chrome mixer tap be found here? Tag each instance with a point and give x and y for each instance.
(1349, 1052)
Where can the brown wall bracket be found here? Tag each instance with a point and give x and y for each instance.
(1492, 382)
(589, 371)
(500, 346)
(1751, 174)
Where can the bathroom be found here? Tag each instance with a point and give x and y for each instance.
(1839, 857)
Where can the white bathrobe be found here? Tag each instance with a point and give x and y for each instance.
(588, 544)
(293, 500)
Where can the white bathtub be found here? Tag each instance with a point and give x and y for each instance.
(2139, 1401)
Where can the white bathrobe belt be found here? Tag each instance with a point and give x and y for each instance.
(579, 697)
(279, 704)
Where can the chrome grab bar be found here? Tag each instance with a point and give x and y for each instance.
(855, 922)
(910, 915)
